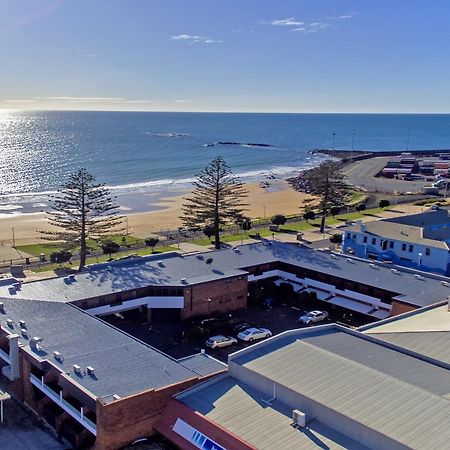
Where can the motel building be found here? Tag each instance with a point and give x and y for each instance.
(96, 385)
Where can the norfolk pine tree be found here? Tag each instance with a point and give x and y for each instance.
(216, 199)
(81, 210)
(327, 182)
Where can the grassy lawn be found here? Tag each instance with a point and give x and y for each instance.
(104, 258)
(50, 247)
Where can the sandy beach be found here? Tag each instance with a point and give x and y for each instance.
(278, 199)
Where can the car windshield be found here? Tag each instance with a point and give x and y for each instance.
(247, 332)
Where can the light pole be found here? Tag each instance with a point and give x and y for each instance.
(420, 260)
(334, 141)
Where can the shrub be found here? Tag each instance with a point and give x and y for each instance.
(60, 257)
(361, 207)
(335, 210)
(109, 247)
(208, 230)
(151, 242)
(384, 203)
(278, 219)
(309, 215)
(336, 238)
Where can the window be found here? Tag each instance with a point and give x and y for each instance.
(354, 237)
(348, 235)
(374, 241)
(404, 247)
(391, 244)
(411, 248)
(365, 239)
(427, 251)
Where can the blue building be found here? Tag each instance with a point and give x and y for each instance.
(420, 241)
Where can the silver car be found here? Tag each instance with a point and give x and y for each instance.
(220, 341)
(313, 316)
(252, 334)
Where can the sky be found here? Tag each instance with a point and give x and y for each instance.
(226, 55)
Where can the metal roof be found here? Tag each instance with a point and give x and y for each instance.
(238, 408)
(203, 364)
(401, 396)
(123, 365)
(171, 269)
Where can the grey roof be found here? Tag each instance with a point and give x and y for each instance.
(203, 364)
(146, 271)
(123, 365)
(423, 220)
(238, 408)
(434, 344)
(400, 396)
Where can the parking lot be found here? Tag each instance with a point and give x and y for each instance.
(175, 338)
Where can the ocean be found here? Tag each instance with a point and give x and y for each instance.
(139, 152)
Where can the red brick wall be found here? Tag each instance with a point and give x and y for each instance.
(400, 308)
(123, 421)
(226, 295)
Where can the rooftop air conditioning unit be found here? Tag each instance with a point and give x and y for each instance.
(77, 369)
(418, 277)
(161, 263)
(24, 332)
(58, 356)
(298, 418)
(90, 370)
(22, 324)
(2, 308)
(184, 281)
(444, 283)
(35, 343)
(10, 323)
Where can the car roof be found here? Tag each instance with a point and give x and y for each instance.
(219, 336)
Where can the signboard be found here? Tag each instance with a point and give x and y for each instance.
(195, 437)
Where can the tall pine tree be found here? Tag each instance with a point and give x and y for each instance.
(327, 182)
(81, 210)
(216, 200)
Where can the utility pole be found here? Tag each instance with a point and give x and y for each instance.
(13, 238)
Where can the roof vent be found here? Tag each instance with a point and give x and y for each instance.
(200, 257)
(444, 283)
(298, 418)
(90, 370)
(184, 281)
(209, 261)
(418, 277)
(58, 356)
(2, 308)
(24, 332)
(22, 324)
(35, 343)
(71, 277)
(372, 265)
(116, 397)
(161, 263)
(394, 271)
(10, 323)
(333, 255)
(77, 369)
(350, 260)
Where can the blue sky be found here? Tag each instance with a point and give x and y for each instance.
(226, 55)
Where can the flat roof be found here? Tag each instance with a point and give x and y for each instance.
(170, 269)
(380, 386)
(123, 365)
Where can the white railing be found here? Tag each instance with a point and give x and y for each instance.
(78, 415)
(5, 357)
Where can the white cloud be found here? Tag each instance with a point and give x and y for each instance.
(313, 27)
(20, 100)
(289, 22)
(182, 101)
(194, 39)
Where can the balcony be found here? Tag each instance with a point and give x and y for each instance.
(77, 414)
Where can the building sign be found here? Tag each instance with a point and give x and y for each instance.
(195, 437)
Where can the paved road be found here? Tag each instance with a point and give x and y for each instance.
(362, 173)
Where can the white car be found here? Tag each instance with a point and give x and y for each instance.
(251, 334)
(220, 341)
(313, 316)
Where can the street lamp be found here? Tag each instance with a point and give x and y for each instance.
(420, 260)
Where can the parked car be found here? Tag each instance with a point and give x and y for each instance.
(252, 334)
(313, 316)
(241, 326)
(214, 324)
(220, 341)
(269, 303)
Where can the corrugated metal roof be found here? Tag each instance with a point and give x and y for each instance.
(398, 395)
(238, 408)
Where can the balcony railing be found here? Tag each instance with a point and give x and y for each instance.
(77, 414)
(5, 357)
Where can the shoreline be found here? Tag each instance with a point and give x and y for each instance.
(162, 213)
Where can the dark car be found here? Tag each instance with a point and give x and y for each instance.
(213, 324)
(241, 326)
